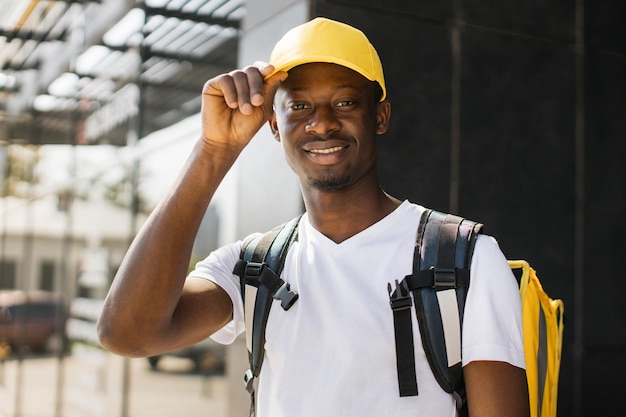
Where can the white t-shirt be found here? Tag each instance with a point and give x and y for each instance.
(333, 352)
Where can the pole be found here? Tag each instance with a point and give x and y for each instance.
(135, 132)
(5, 349)
(26, 275)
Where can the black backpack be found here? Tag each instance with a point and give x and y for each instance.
(443, 250)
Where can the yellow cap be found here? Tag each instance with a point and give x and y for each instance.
(325, 40)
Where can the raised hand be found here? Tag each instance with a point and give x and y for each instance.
(235, 105)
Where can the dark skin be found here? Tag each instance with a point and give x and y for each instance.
(327, 118)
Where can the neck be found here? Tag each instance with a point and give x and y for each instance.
(342, 214)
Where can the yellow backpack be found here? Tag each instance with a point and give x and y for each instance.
(542, 322)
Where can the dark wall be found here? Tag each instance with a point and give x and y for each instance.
(513, 113)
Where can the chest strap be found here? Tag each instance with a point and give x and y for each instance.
(261, 262)
(438, 286)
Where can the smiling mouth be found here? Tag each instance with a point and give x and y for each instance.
(327, 150)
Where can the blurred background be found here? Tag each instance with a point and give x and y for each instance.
(509, 112)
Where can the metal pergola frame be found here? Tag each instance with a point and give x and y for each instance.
(169, 55)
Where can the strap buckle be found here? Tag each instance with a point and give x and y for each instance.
(400, 299)
(280, 289)
(444, 278)
(248, 380)
(253, 270)
(285, 296)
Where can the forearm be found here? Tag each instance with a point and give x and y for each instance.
(139, 311)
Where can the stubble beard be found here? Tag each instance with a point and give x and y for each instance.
(330, 182)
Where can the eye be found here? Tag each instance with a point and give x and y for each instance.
(345, 103)
(298, 106)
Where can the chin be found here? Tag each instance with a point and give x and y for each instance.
(334, 183)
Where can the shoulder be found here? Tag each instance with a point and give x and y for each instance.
(490, 268)
(219, 262)
(488, 255)
(492, 321)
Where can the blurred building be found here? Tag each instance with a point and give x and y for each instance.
(47, 247)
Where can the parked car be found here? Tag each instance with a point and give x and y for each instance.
(32, 321)
(207, 356)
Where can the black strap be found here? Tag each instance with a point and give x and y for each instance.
(400, 300)
(542, 359)
(261, 262)
(442, 256)
(444, 271)
(401, 303)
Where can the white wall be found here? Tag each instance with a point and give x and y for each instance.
(268, 191)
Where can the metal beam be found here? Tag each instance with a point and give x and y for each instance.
(209, 19)
(10, 67)
(79, 1)
(101, 17)
(30, 35)
(148, 52)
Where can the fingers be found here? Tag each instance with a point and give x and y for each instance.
(246, 88)
(245, 84)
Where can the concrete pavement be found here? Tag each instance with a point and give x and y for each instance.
(92, 385)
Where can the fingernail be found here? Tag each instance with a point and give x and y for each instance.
(257, 99)
(246, 108)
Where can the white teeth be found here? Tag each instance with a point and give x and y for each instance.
(326, 151)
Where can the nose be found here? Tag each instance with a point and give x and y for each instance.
(322, 121)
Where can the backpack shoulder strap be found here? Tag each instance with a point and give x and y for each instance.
(261, 262)
(443, 248)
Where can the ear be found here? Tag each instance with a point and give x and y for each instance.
(274, 126)
(383, 113)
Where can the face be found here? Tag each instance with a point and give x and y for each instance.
(327, 118)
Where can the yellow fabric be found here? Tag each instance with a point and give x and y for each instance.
(534, 298)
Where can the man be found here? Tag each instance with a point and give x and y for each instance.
(332, 353)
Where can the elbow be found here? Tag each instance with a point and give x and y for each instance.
(121, 342)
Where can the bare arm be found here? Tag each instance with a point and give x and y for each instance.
(496, 389)
(151, 307)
